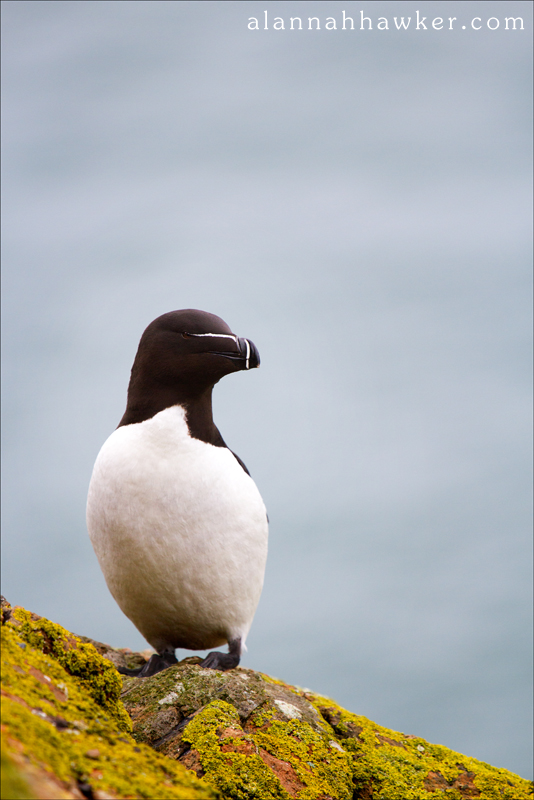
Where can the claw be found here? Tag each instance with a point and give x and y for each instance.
(224, 661)
(156, 663)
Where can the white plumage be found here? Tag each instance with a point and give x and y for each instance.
(180, 531)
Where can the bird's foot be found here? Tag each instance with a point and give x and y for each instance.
(224, 661)
(156, 663)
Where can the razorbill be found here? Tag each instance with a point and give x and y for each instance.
(176, 521)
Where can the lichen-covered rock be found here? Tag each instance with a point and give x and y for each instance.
(254, 737)
(398, 766)
(13, 785)
(246, 734)
(197, 733)
(65, 733)
(119, 656)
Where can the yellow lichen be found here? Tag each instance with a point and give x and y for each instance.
(263, 716)
(96, 674)
(13, 786)
(394, 766)
(64, 723)
(237, 776)
(320, 763)
(279, 753)
(51, 721)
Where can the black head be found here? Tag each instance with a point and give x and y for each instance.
(180, 357)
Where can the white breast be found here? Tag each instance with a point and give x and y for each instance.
(180, 531)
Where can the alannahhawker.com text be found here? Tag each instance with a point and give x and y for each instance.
(361, 21)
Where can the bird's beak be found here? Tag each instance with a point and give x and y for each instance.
(247, 355)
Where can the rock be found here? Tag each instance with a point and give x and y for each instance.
(120, 657)
(198, 733)
(255, 737)
(247, 734)
(65, 732)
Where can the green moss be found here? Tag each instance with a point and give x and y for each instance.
(262, 716)
(13, 786)
(393, 766)
(258, 737)
(96, 674)
(236, 775)
(267, 762)
(251, 737)
(319, 762)
(51, 718)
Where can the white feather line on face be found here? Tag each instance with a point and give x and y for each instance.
(180, 531)
(216, 335)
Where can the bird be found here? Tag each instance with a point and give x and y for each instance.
(177, 523)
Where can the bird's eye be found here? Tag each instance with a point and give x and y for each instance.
(186, 335)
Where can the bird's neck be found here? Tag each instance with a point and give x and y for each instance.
(198, 410)
(199, 418)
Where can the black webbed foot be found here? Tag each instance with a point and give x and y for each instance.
(133, 673)
(224, 661)
(156, 663)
